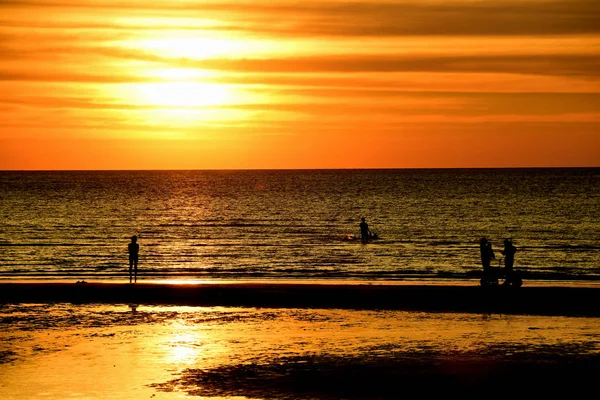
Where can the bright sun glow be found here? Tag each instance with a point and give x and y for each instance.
(194, 47)
(178, 74)
(185, 94)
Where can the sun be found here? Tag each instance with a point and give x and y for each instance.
(191, 47)
(177, 100)
(185, 94)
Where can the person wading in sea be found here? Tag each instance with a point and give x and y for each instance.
(509, 259)
(487, 255)
(133, 248)
(364, 230)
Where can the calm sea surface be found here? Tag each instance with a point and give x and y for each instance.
(292, 224)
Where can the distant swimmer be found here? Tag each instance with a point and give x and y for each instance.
(365, 233)
(134, 249)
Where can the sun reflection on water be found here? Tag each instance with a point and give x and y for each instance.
(184, 348)
(131, 350)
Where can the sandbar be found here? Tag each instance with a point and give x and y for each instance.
(532, 300)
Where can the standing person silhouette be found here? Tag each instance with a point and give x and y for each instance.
(509, 259)
(364, 230)
(133, 248)
(487, 255)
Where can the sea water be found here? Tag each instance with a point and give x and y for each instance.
(292, 224)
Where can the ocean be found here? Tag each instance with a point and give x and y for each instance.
(291, 224)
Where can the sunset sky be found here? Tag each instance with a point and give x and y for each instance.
(181, 84)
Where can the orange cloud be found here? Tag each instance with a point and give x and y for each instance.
(253, 84)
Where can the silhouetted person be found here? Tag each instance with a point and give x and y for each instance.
(364, 230)
(509, 259)
(487, 255)
(133, 248)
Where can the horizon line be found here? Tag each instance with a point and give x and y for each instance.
(298, 169)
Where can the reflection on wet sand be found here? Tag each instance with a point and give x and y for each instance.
(97, 351)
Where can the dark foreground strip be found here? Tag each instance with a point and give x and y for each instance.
(568, 301)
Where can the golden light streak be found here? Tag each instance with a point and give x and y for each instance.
(183, 44)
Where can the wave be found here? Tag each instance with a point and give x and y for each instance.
(37, 244)
(114, 272)
(576, 247)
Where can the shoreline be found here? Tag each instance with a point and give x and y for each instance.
(564, 300)
(296, 281)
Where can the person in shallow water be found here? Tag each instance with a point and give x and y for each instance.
(509, 259)
(487, 254)
(133, 248)
(364, 230)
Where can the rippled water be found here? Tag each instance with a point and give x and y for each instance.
(291, 224)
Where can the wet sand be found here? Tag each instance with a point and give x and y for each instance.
(96, 351)
(261, 340)
(566, 300)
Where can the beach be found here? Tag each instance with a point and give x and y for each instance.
(261, 340)
(303, 200)
(247, 288)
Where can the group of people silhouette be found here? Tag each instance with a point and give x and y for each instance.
(492, 274)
